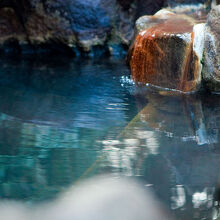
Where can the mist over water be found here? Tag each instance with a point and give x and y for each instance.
(64, 120)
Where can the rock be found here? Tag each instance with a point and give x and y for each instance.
(76, 26)
(174, 3)
(71, 23)
(146, 22)
(149, 7)
(211, 70)
(167, 51)
(11, 30)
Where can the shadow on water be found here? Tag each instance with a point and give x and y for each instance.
(61, 120)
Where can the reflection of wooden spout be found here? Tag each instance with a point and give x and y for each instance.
(179, 116)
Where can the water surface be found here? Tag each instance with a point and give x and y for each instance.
(63, 120)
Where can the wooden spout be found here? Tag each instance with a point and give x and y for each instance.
(163, 55)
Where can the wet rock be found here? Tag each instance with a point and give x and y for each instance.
(167, 51)
(79, 25)
(211, 70)
(178, 2)
(90, 26)
(11, 30)
(149, 7)
(71, 23)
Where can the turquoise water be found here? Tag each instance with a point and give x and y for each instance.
(62, 120)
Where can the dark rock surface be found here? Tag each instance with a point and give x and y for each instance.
(73, 25)
(211, 70)
(177, 2)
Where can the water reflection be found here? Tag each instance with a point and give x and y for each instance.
(180, 137)
(56, 129)
(50, 122)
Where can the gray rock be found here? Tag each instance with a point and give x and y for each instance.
(74, 25)
(211, 70)
(71, 23)
(174, 3)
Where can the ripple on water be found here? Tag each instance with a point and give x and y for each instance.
(56, 128)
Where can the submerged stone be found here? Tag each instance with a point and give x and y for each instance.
(211, 70)
(167, 51)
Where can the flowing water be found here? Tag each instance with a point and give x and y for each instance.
(63, 120)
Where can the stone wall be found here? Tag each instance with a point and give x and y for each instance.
(211, 67)
(73, 26)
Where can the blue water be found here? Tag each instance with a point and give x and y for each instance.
(63, 120)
